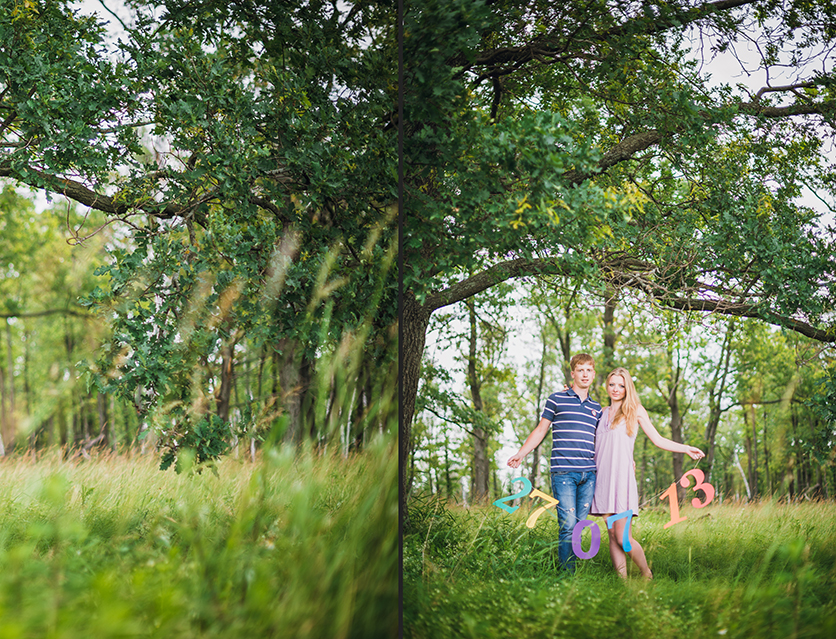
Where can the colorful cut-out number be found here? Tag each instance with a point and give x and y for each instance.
(625, 537)
(704, 486)
(533, 517)
(673, 502)
(595, 544)
(526, 489)
(673, 498)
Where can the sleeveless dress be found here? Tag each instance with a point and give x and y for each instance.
(615, 483)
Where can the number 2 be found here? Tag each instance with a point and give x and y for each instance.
(526, 489)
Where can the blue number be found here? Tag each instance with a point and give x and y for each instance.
(625, 538)
(527, 489)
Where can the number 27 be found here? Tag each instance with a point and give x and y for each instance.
(533, 493)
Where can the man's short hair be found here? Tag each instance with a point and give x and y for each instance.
(581, 358)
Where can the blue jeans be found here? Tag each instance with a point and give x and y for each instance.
(574, 491)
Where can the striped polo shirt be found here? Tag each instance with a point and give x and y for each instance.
(573, 430)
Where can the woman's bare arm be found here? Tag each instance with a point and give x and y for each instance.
(663, 442)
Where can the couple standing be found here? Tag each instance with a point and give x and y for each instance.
(592, 468)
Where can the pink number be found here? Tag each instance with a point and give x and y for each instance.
(673, 501)
(704, 486)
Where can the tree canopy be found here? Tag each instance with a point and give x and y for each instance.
(246, 150)
(590, 140)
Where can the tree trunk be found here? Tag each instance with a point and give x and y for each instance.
(10, 377)
(610, 337)
(534, 477)
(676, 427)
(224, 393)
(287, 382)
(448, 480)
(101, 410)
(751, 444)
(413, 334)
(481, 464)
(4, 415)
(27, 389)
(766, 457)
(715, 396)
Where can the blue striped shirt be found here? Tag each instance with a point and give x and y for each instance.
(573, 430)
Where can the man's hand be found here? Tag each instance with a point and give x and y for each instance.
(514, 462)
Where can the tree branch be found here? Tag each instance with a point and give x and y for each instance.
(520, 267)
(51, 311)
(641, 25)
(489, 277)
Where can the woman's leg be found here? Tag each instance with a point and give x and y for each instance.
(618, 556)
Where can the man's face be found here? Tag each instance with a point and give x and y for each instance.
(583, 375)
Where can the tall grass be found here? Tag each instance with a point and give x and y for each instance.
(765, 570)
(296, 545)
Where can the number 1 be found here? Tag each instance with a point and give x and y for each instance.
(673, 501)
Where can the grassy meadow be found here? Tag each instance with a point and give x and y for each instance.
(297, 544)
(734, 570)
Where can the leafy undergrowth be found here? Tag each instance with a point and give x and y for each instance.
(764, 570)
(296, 545)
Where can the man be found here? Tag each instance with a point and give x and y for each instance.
(573, 417)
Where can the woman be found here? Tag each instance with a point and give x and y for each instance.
(615, 489)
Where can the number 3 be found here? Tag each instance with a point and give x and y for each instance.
(704, 486)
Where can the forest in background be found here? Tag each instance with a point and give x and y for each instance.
(742, 391)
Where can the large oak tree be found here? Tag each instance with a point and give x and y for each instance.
(589, 140)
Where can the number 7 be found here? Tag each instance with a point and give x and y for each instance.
(625, 537)
(532, 519)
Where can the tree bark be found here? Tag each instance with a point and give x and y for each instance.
(287, 382)
(414, 321)
(224, 392)
(610, 337)
(10, 376)
(101, 409)
(676, 427)
(751, 444)
(481, 463)
(766, 457)
(715, 396)
(534, 477)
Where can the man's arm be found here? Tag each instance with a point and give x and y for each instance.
(531, 442)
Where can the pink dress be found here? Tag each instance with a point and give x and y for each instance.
(615, 482)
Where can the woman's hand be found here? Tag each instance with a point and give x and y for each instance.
(694, 452)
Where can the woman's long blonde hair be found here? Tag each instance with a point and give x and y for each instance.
(628, 411)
